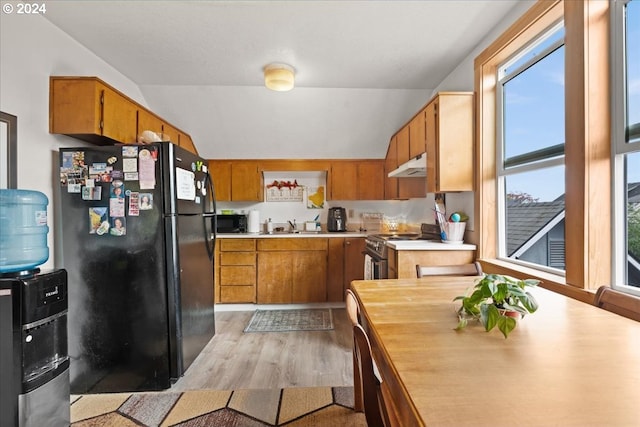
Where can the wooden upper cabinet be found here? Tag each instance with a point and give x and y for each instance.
(149, 121)
(246, 181)
(356, 180)
(172, 133)
(187, 143)
(390, 163)
(88, 109)
(220, 171)
(402, 138)
(411, 142)
(417, 144)
(343, 179)
(371, 180)
(449, 134)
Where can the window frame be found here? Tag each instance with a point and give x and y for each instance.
(531, 161)
(620, 149)
(587, 144)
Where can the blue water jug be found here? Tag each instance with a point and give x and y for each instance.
(23, 230)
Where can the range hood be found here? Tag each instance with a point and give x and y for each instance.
(415, 167)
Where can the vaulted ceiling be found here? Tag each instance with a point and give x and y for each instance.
(362, 67)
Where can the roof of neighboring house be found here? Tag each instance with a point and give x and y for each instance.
(526, 219)
(633, 192)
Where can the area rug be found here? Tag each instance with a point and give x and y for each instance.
(315, 319)
(294, 407)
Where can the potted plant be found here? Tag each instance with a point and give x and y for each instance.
(497, 300)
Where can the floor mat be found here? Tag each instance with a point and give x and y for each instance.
(301, 407)
(317, 319)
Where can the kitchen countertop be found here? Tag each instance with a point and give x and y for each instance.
(399, 245)
(428, 245)
(279, 235)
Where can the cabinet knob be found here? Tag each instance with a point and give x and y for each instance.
(347, 243)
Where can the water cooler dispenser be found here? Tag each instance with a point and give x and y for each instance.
(35, 387)
(40, 355)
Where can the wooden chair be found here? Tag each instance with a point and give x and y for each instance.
(474, 269)
(621, 303)
(353, 311)
(375, 409)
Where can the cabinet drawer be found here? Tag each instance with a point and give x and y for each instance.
(237, 275)
(296, 244)
(237, 294)
(238, 258)
(227, 245)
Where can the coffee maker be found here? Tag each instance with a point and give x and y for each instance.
(337, 219)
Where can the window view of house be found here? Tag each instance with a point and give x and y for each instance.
(531, 153)
(631, 79)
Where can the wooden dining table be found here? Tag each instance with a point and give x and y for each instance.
(568, 364)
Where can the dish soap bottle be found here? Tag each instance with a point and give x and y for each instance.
(269, 226)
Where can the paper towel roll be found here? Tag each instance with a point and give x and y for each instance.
(254, 222)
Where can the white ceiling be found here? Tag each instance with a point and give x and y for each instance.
(361, 66)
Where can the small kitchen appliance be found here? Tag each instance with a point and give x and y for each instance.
(337, 219)
(231, 223)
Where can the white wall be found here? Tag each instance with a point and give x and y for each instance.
(32, 49)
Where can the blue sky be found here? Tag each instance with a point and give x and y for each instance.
(535, 118)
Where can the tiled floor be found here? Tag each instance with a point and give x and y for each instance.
(296, 407)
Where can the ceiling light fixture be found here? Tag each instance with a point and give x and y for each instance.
(279, 77)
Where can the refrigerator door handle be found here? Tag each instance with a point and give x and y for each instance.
(209, 217)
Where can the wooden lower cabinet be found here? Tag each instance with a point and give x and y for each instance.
(292, 270)
(345, 264)
(287, 270)
(402, 264)
(237, 270)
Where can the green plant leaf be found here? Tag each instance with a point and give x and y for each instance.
(529, 302)
(490, 316)
(462, 322)
(506, 325)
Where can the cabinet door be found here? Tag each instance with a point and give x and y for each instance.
(455, 135)
(148, 121)
(118, 117)
(431, 120)
(354, 248)
(246, 181)
(390, 163)
(187, 143)
(403, 145)
(172, 133)
(344, 181)
(309, 274)
(275, 277)
(417, 135)
(220, 171)
(74, 106)
(371, 180)
(335, 269)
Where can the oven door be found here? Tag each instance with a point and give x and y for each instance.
(375, 268)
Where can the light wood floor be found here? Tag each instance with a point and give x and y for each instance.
(237, 360)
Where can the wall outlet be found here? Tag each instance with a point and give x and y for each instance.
(350, 214)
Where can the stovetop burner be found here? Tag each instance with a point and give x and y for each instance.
(397, 236)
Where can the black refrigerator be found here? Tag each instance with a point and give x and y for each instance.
(138, 245)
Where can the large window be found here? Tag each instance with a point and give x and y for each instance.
(530, 153)
(626, 145)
